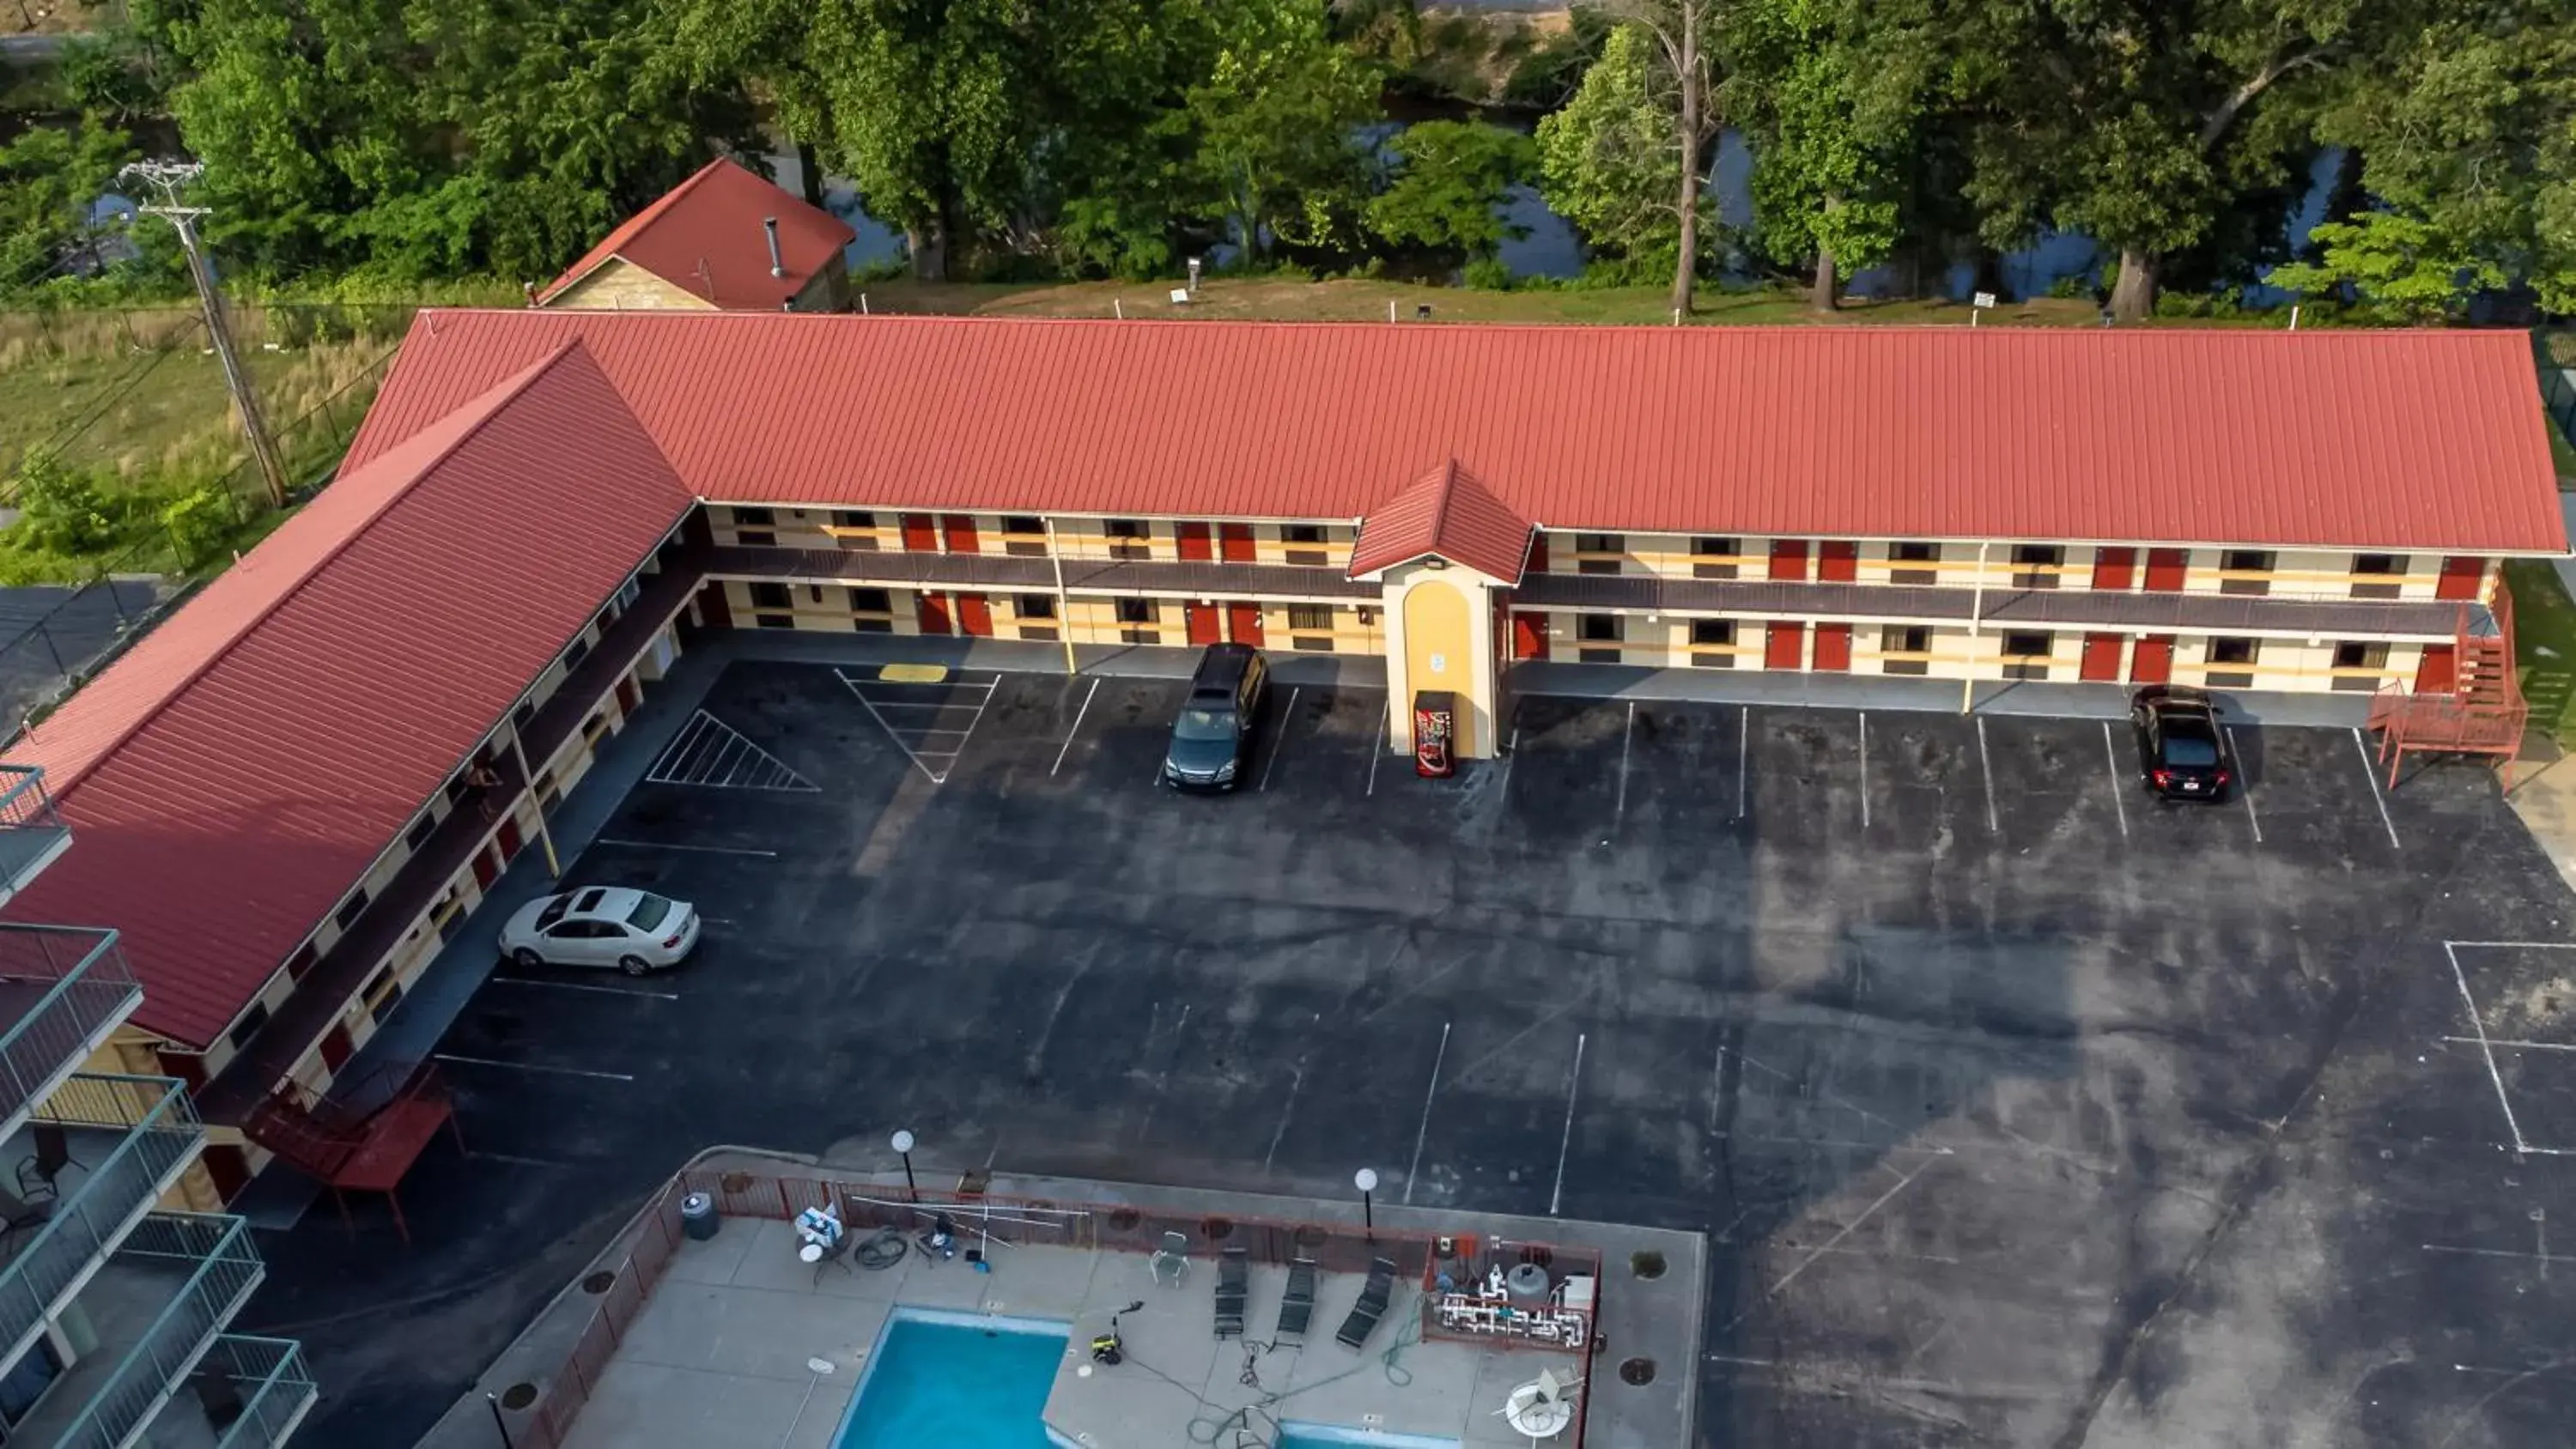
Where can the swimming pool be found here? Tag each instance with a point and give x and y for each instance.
(1295, 1435)
(956, 1381)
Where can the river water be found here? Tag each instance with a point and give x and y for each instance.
(1550, 247)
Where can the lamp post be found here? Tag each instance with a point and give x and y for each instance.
(1366, 1181)
(498, 1422)
(903, 1148)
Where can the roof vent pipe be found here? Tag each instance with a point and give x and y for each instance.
(777, 264)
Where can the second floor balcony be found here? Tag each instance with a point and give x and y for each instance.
(75, 1180)
(155, 1311)
(32, 833)
(63, 991)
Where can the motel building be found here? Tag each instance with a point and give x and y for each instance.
(295, 789)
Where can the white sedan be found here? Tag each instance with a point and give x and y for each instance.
(634, 931)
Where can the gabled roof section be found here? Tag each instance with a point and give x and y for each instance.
(2400, 442)
(705, 237)
(231, 776)
(1449, 513)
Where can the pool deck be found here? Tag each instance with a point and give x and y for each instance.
(720, 1353)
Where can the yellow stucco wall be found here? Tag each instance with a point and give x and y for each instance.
(1439, 653)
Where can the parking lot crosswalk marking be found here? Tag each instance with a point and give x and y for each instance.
(713, 754)
(932, 747)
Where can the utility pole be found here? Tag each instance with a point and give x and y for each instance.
(166, 178)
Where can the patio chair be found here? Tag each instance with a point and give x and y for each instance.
(1371, 1307)
(1175, 1255)
(1297, 1305)
(1233, 1286)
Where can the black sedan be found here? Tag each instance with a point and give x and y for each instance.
(2182, 752)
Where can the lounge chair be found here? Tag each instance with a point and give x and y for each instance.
(1371, 1307)
(1297, 1306)
(1233, 1286)
(1174, 1255)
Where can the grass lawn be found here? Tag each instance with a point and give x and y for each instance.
(1364, 300)
(151, 411)
(2544, 628)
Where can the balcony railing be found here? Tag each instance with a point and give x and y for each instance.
(160, 1133)
(32, 832)
(62, 988)
(223, 1267)
(275, 1389)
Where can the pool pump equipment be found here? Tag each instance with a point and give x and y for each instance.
(1107, 1348)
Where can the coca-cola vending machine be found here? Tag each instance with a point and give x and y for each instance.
(1435, 733)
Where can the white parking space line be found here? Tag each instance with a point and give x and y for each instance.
(2370, 772)
(1377, 750)
(2485, 1048)
(1077, 725)
(1986, 772)
(1743, 746)
(531, 1067)
(2119, 792)
(585, 986)
(2244, 787)
(1864, 769)
(698, 849)
(1424, 1131)
(1627, 738)
(1573, 1089)
(1279, 741)
(2517, 1046)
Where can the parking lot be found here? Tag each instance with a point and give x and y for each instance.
(2025, 1110)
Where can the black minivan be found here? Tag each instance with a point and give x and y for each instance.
(1212, 740)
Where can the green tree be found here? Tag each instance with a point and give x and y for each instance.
(2394, 260)
(929, 111)
(1608, 163)
(1274, 154)
(423, 140)
(1450, 182)
(48, 178)
(1679, 85)
(2467, 135)
(1833, 94)
(2146, 123)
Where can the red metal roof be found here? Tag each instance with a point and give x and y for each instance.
(705, 237)
(2405, 441)
(236, 772)
(1450, 512)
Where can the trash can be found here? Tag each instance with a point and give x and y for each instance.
(698, 1219)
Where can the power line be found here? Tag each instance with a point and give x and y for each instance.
(166, 178)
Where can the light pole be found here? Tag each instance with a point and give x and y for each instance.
(1366, 1181)
(498, 1422)
(903, 1148)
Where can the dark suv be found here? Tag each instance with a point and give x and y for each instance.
(1212, 740)
(2182, 751)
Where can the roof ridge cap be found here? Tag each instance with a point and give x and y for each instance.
(509, 391)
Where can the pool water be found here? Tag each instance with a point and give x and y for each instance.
(1333, 1436)
(938, 1383)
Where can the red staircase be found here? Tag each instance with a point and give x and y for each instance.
(2481, 712)
(364, 1136)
